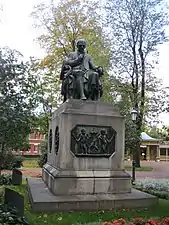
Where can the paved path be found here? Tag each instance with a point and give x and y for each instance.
(160, 171)
(28, 172)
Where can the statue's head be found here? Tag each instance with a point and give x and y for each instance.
(103, 132)
(81, 45)
(83, 131)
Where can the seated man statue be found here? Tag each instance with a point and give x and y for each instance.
(82, 77)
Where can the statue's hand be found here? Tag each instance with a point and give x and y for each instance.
(100, 70)
(80, 57)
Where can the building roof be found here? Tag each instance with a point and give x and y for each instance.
(146, 137)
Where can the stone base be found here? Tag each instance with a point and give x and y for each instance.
(67, 182)
(42, 200)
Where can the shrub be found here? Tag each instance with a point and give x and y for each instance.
(10, 161)
(5, 179)
(17, 162)
(43, 160)
(43, 157)
(9, 215)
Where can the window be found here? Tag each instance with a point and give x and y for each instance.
(162, 151)
(36, 148)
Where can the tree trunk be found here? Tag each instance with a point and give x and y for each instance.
(135, 84)
(137, 153)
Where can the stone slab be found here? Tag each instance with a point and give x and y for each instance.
(42, 200)
(88, 107)
(56, 172)
(65, 182)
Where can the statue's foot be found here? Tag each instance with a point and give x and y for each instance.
(83, 98)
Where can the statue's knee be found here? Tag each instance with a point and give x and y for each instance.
(95, 73)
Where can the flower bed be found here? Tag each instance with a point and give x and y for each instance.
(160, 188)
(138, 221)
(155, 184)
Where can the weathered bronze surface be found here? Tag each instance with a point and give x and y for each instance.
(95, 141)
(80, 76)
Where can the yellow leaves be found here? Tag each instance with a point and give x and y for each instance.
(65, 22)
(45, 62)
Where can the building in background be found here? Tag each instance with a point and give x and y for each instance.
(35, 139)
(153, 149)
(150, 147)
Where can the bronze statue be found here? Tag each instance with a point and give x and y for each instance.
(80, 76)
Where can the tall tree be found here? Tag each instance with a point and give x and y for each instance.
(17, 100)
(63, 24)
(137, 28)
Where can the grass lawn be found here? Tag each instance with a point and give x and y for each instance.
(33, 163)
(158, 211)
(142, 168)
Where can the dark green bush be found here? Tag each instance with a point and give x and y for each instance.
(43, 160)
(9, 215)
(5, 179)
(43, 157)
(9, 161)
(17, 162)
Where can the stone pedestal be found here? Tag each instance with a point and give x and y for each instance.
(76, 169)
(85, 168)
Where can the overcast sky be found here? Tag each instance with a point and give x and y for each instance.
(18, 33)
(16, 27)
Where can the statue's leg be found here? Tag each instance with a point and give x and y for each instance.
(70, 89)
(80, 85)
(98, 90)
(93, 85)
(86, 89)
(89, 85)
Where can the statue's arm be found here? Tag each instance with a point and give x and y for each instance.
(94, 67)
(62, 70)
(91, 64)
(71, 61)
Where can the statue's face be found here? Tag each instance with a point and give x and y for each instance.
(83, 131)
(103, 132)
(81, 46)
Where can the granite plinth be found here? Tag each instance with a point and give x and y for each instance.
(66, 173)
(85, 183)
(42, 200)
